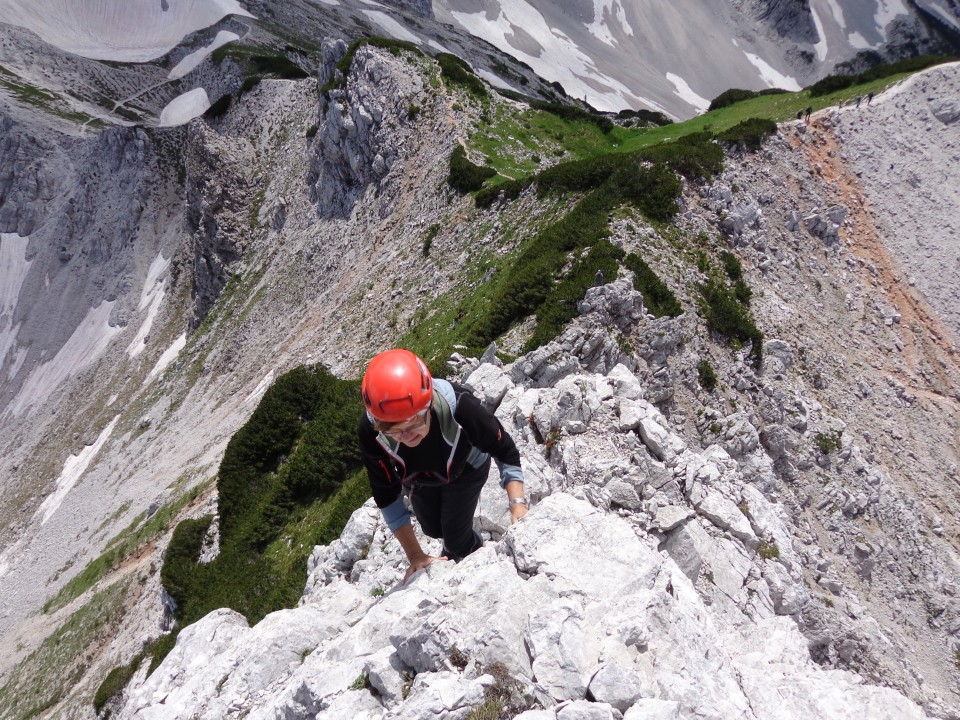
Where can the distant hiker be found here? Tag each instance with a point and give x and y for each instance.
(799, 114)
(598, 278)
(432, 441)
(859, 100)
(869, 98)
(840, 104)
(807, 113)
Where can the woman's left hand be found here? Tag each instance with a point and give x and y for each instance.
(517, 511)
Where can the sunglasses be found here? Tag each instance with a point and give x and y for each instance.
(398, 430)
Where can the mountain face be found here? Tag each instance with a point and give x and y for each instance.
(782, 543)
(676, 57)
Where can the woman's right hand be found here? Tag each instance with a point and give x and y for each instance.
(419, 562)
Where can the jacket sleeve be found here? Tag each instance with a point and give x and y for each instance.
(487, 434)
(384, 485)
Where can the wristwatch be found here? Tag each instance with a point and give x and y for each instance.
(519, 501)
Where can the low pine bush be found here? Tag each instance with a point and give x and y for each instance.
(731, 265)
(560, 306)
(459, 72)
(648, 117)
(832, 83)
(730, 97)
(296, 457)
(657, 295)
(750, 133)
(707, 376)
(509, 190)
(574, 113)
(726, 315)
(464, 175)
(735, 95)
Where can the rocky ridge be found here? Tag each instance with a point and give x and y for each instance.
(585, 609)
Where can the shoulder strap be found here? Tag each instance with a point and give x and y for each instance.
(445, 405)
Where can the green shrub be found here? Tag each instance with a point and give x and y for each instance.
(727, 316)
(702, 260)
(827, 443)
(464, 176)
(117, 680)
(181, 557)
(560, 306)
(729, 97)
(649, 117)
(768, 551)
(696, 156)
(220, 107)
(707, 376)
(731, 265)
(657, 295)
(459, 72)
(574, 113)
(249, 84)
(832, 83)
(428, 238)
(296, 457)
(510, 190)
(312, 131)
(645, 179)
(750, 133)
(742, 292)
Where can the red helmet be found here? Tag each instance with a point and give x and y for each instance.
(396, 386)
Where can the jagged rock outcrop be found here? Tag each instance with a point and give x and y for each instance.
(789, 18)
(363, 127)
(220, 192)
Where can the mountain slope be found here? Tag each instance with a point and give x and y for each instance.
(313, 246)
(653, 55)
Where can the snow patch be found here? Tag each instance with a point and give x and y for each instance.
(599, 28)
(559, 58)
(127, 31)
(391, 26)
(495, 79)
(73, 468)
(771, 76)
(150, 300)
(837, 12)
(687, 94)
(84, 347)
(184, 108)
(191, 61)
(858, 41)
(887, 12)
(169, 355)
(18, 361)
(820, 47)
(260, 389)
(13, 271)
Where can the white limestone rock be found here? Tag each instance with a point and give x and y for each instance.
(654, 709)
(586, 710)
(617, 685)
(490, 383)
(727, 516)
